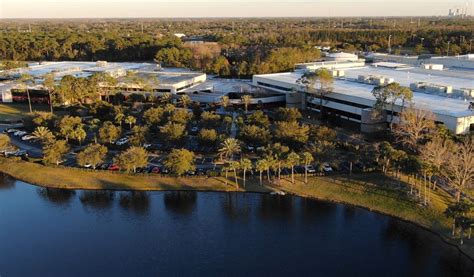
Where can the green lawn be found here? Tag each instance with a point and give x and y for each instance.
(16, 111)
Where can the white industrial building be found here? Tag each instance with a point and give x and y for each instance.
(167, 80)
(445, 93)
(457, 62)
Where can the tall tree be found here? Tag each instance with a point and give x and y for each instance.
(246, 99)
(261, 166)
(229, 148)
(180, 161)
(459, 169)
(109, 133)
(245, 165)
(292, 160)
(415, 126)
(93, 154)
(225, 101)
(307, 158)
(48, 83)
(130, 120)
(185, 100)
(43, 134)
(26, 79)
(132, 158)
(318, 83)
(54, 152)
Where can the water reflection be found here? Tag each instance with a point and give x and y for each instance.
(136, 201)
(276, 207)
(234, 207)
(6, 182)
(180, 202)
(58, 197)
(100, 199)
(285, 234)
(317, 210)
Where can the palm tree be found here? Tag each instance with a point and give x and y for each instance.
(48, 83)
(43, 134)
(119, 118)
(246, 100)
(225, 101)
(307, 159)
(292, 160)
(185, 100)
(130, 120)
(229, 148)
(25, 79)
(234, 166)
(245, 164)
(261, 166)
(165, 97)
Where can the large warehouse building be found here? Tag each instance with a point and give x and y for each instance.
(446, 93)
(161, 79)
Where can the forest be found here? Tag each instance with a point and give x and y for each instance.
(227, 47)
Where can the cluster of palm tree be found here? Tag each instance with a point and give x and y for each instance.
(276, 157)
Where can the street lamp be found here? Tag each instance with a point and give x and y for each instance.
(447, 51)
(389, 44)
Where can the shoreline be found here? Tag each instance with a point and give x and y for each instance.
(121, 182)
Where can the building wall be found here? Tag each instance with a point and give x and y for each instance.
(352, 105)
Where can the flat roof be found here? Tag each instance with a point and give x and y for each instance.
(437, 104)
(456, 79)
(79, 69)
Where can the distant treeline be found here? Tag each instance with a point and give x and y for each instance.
(233, 47)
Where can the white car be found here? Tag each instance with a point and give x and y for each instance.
(28, 137)
(327, 167)
(146, 145)
(9, 131)
(310, 169)
(122, 141)
(19, 133)
(87, 165)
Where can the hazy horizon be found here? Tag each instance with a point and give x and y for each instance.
(89, 9)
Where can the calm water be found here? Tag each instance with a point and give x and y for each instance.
(84, 233)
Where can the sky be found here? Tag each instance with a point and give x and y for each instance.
(223, 8)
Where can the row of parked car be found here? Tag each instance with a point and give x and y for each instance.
(19, 133)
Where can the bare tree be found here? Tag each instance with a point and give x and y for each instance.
(414, 126)
(459, 169)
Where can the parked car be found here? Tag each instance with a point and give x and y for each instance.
(122, 141)
(28, 137)
(9, 153)
(113, 167)
(155, 170)
(310, 169)
(20, 153)
(104, 166)
(147, 145)
(326, 167)
(19, 133)
(87, 165)
(11, 131)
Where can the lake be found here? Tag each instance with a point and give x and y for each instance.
(49, 232)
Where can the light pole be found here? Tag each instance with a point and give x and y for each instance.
(447, 51)
(389, 44)
(470, 45)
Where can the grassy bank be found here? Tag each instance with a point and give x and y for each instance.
(386, 195)
(376, 192)
(72, 178)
